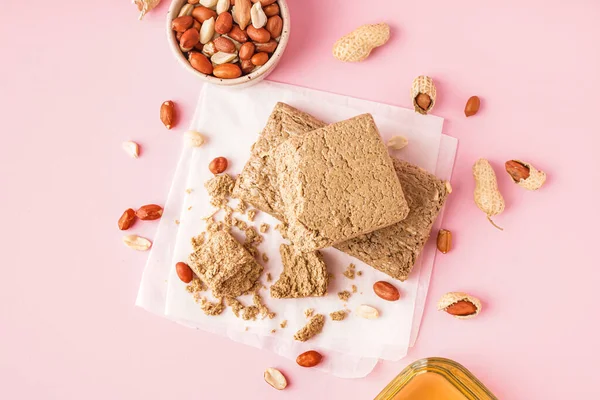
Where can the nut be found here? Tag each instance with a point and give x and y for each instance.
(517, 170)
(242, 13)
(460, 305)
(186, 10)
(193, 139)
(472, 106)
(209, 3)
(444, 241)
(182, 24)
(525, 174)
(227, 71)
(260, 58)
(144, 6)
(189, 39)
(264, 2)
(224, 45)
(202, 14)
(358, 44)
(246, 51)
(258, 35)
(131, 148)
(224, 23)
(257, 15)
(367, 312)
(423, 100)
(222, 58)
(207, 31)
(167, 113)
(397, 142)
(236, 33)
(223, 6)
(386, 291)
(247, 66)
(309, 359)
(149, 212)
(184, 272)
(275, 378)
(218, 165)
(137, 242)
(268, 47)
(275, 26)
(200, 62)
(127, 219)
(208, 50)
(197, 25)
(271, 9)
(423, 94)
(487, 196)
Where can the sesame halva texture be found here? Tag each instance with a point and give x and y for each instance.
(337, 183)
(304, 274)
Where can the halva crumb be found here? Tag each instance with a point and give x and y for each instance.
(350, 271)
(211, 308)
(309, 312)
(354, 289)
(359, 273)
(196, 285)
(265, 257)
(269, 279)
(264, 228)
(338, 315)
(273, 330)
(312, 328)
(241, 207)
(345, 295)
(251, 215)
(283, 324)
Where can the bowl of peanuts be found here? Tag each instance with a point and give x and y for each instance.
(228, 42)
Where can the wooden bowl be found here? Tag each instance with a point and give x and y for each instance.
(244, 80)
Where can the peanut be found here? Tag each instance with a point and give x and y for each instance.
(460, 305)
(487, 196)
(218, 165)
(275, 378)
(358, 44)
(525, 174)
(472, 106)
(184, 272)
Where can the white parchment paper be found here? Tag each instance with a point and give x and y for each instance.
(231, 120)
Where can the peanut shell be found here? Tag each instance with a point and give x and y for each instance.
(487, 196)
(358, 44)
(535, 180)
(423, 84)
(454, 297)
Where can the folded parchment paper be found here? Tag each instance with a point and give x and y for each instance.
(231, 121)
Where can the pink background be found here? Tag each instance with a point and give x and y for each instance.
(78, 78)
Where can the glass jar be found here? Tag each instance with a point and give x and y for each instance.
(435, 378)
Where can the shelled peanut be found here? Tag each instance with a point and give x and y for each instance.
(228, 39)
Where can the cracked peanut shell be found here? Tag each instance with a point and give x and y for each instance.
(449, 301)
(423, 84)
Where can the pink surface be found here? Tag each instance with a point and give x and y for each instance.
(78, 78)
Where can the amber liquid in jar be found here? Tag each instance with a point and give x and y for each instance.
(429, 385)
